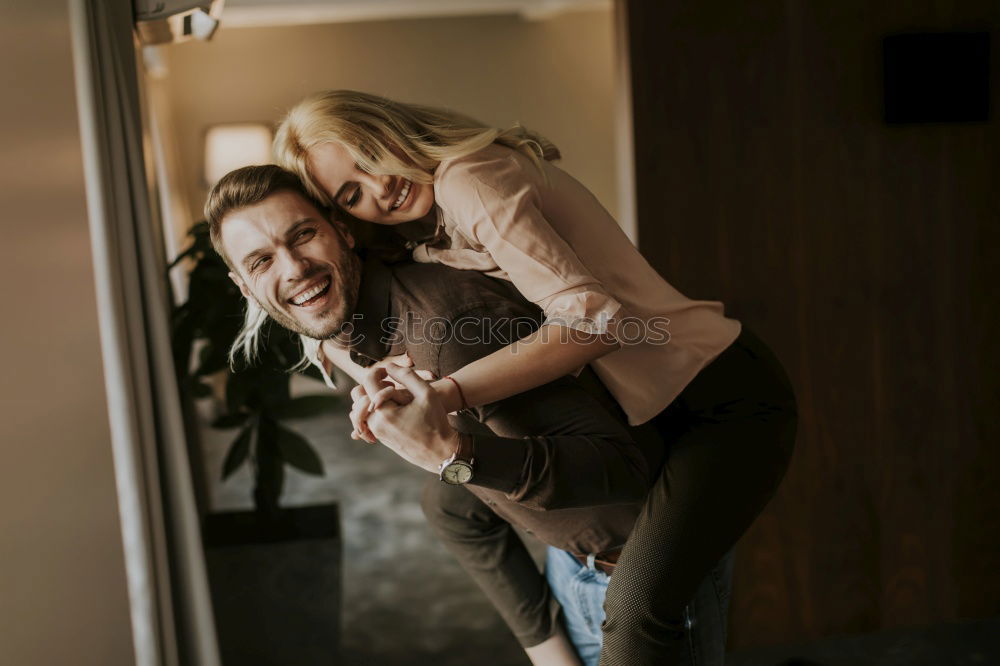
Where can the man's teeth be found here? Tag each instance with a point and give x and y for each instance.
(402, 195)
(311, 293)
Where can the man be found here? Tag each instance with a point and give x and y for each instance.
(556, 460)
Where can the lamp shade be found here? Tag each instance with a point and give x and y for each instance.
(232, 146)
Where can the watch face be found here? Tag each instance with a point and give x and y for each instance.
(457, 472)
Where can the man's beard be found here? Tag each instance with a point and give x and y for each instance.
(343, 288)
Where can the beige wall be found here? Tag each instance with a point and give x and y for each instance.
(62, 580)
(555, 76)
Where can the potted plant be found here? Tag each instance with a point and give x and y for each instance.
(274, 572)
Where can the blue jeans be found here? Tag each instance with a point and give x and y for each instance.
(580, 590)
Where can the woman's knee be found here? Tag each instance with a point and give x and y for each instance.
(640, 627)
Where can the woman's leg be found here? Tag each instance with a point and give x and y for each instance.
(729, 437)
(581, 594)
(705, 617)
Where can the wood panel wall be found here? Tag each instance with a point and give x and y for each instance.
(866, 255)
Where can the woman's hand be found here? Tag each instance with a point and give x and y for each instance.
(418, 431)
(374, 388)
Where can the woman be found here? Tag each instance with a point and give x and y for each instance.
(496, 203)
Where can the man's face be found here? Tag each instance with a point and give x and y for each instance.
(297, 265)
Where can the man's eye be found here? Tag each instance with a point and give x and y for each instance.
(305, 234)
(260, 263)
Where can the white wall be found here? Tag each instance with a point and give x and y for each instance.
(62, 582)
(555, 76)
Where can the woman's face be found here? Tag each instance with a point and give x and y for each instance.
(373, 198)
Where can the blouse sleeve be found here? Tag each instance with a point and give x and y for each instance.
(497, 204)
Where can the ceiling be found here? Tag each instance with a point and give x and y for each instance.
(261, 13)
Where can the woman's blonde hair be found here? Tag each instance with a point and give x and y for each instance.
(388, 137)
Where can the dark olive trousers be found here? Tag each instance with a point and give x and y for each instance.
(729, 438)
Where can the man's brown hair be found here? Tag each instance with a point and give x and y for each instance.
(245, 187)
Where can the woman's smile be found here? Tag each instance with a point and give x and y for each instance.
(403, 195)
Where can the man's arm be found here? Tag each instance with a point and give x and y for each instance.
(556, 446)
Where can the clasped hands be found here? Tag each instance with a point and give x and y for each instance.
(396, 405)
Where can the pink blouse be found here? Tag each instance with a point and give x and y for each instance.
(546, 233)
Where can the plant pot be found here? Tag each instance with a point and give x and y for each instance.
(276, 585)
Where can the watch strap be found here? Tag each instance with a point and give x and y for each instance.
(465, 448)
(464, 453)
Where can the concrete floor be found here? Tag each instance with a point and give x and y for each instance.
(407, 602)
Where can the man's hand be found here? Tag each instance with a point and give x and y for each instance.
(417, 431)
(374, 387)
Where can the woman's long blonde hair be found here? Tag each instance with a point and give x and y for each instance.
(388, 137)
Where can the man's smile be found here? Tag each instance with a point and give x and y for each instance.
(296, 264)
(312, 294)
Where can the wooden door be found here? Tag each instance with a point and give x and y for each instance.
(866, 255)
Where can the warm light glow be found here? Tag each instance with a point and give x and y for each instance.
(229, 147)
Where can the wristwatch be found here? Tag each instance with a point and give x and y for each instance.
(457, 469)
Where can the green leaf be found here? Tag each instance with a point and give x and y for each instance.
(212, 358)
(190, 251)
(200, 242)
(239, 385)
(307, 406)
(230, 420)
(238, 452)
(273, 386)
(183, 338)
(298, 453)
